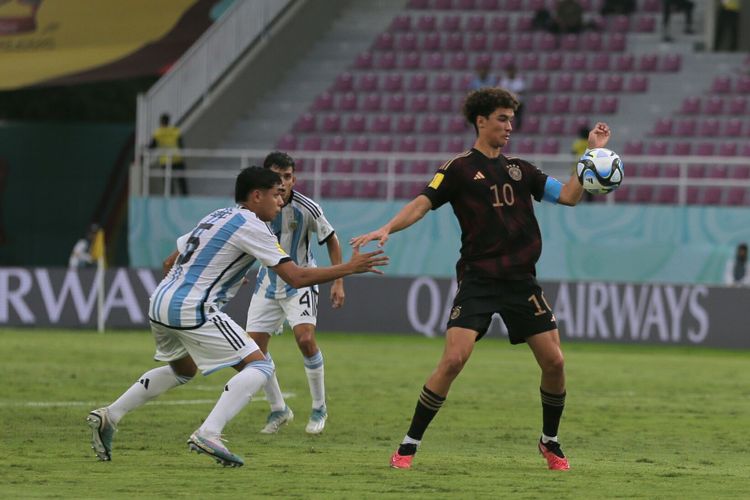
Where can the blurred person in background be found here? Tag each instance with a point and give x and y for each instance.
(727, 25)
(736, 272)
(168, 136)
(81, 254)
(670, 6)
(516, 84)
(482, 79)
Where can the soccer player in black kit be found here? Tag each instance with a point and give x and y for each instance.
(491, 196)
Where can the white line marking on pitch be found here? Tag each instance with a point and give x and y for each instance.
(94, 404)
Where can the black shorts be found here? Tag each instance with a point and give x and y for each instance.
(520, 303)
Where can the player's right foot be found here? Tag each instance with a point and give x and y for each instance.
(553, 453)
(399, 461)
(212, 445)
(102, 432)
(276, 419)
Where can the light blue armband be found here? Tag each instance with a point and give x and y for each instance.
(552, 189)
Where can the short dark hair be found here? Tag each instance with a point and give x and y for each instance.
(484, 102)
(164, 119)
(280, 159)
(252, 178)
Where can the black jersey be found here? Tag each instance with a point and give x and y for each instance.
(492, 199)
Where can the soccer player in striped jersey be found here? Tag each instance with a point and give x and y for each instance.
(190, 330)
(492, 196)
(300, 221)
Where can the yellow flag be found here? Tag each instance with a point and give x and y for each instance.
(98, 249)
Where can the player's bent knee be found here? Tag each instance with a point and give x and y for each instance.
(453, 364)
(554, 365)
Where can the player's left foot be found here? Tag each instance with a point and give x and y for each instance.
(213, 446)
(553, 453)
(317, 421)
(402, 458)
(102, 432)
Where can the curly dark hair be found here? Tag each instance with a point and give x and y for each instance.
(279, 159)
(484, 102)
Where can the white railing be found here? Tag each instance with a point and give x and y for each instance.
(556, 165)
(193, 76)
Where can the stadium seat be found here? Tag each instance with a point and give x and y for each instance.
(336, 143)
(442, 82)
(475, 23)
(287, 142)
(430, 125)
(657, 148)
(691, 105)
(560, 104)
(531, 125)
(444, 104)
(426, 23)
(450, 22)
(373, 102)
(360, 144)
(505, 60)
(648, 62)
(431, 42)
(721, 85)
(312, 143)
(550, 146)
(564, 82)
(458, 125)
(419, 103)
(733, 128)
(525, 146)
(431, 145)
(331, 123)
(407, 144)
(454, 145)
(548, 43)
(500, 42)
(355, 123)
(435, 61)
(663, 127)
(514, 5)
(381, 124)
(671, 63)
(739, 172)
(569, 42)
(553, 62)
(418, 4)
(686, 128)
(667, 195)
(386, 61)
(383, 145)
(529, 62)
(406, 42)
(363, 61)
(619, 24)
(638, 83)
(443, 4)
(589, 82)
(643, 194)
(613, 83)
(735, 196)
(714, 105)
(537, 104)
(705, 149)
(384, 41)
(540, 83)
(411, 61)
(458, 61)
(601, 62)
(577, 123)
(324, 102)
(737, 106)
(615, 42)
(305, 123)
(499, 24)
(645, 24)
(491, 5)
(345, 166)
(624, 62)
(633, 148)
(711, 195)
(524, 42)
(406, 124)
(743, 84)
(682, 148)
(728, 149)
(622, 194)
(369, 189)
(418, 82)
(709, 127)
(367, 82)
(608, 104)
(344, 82)
(477, 42)
(584, 105)
(577, 62)
(393, 82)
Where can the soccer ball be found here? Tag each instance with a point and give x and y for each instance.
(600, 171)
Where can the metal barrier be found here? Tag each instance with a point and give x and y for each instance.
(556, 165)
(193, 76)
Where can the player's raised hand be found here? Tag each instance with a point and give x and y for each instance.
(380, 234)
(337, 294)
(599, 135)
(368, 262)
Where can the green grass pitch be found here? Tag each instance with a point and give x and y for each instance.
(640, 422)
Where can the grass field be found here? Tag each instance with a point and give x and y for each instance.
(640, 423)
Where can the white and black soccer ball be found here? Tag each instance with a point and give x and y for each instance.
(600, 171)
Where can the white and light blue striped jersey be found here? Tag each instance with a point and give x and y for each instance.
(296, 224)
(214, 258)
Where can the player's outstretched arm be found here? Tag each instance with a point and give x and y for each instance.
(299, 277)
(411, 213)
(337, 289)
(599, 135)
(572, 191)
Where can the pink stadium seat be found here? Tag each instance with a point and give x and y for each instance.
(584, 105)
(369, 189)
(589, 82)
(360, 144)
(733, 128)
(287, 142)
(477, 42)
(619, 24)
(547, 43)
(454, 145)
(344, 82)
(550, 147)
(312, 143)
(624, 62)
(499, 24)
(645, 24)
(332, 123)
(686, 128)
(525, 146)
(483, 60)
(714, 105)
(601, 62)
(540, 83)
(657, 148)
(431, 42)
(682, 148)
(305, 123)
(696, 171)
(381, 124)
(671, 62)
(459, 61)
(728, 149)
(442, 4)
(386, 60)
(561, 104)
(633, 148)
(370, 167)
(553, 62)
(367, 82)
(735, 196)
(622, 195)
(464, 81)
(717, 171)
(395, 103)
(524, 42)
(324, 102)
(615, 42)
(427, 23)
(409, 190)
(564, 82)
(638, 83)
(670, 171)
(705, 149)
(411, 61)
(372, 102)
(569, 42)
(712, 195)
(444, 104)
(384, 41)
(336, 143)
(691, 105)
(340, 166)
(500, 42)
(418, 82)
(458, 125)
(363, 60)
(435, 61)
(535, 5)
(431, 145)
(663, 127)
(577, 62)
(407, 144)
(739, 172)
(356, 124)
(537, 104)
(555, 126)
(651, 6)
(743, 84)
(651, 171)
(514, 5)
(406, 42)
(531, 125)
(450, 22)
(419, 103)
(693, 195)
(475, 23)
(443, 82)
(529, 62)
(592, 41)
(430, 125)
(613, 83)
(737, 106)
(721, 85)
(488, 5)
(343, 189)
(394, 82)
(709, 128)
(608, 104)
(418, 4)
(643, 194)
(406, 124)
(383, 145)
(577, 123)
(648, 62)
(667, 195)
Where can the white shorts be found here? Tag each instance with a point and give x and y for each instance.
(218, 343)
(268, 315)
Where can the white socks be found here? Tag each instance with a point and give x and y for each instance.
(272, 389)
(408, 440)
(546, 439)
(151, 384)
(237, 394)
(315, 378)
